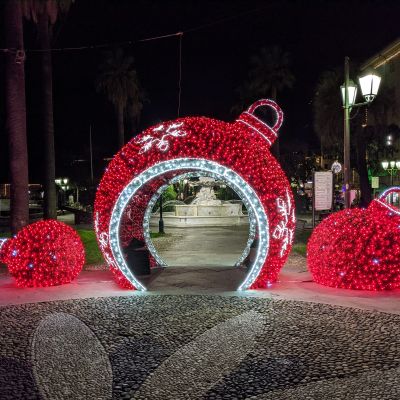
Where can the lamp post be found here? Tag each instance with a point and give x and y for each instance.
(391, 167)
(161, 221)
(369, 84)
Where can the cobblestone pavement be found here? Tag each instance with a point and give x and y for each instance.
(197, 347)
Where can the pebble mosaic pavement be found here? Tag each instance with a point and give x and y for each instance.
(197, 347)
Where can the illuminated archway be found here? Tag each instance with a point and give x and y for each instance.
(152, 202)
(238, 153)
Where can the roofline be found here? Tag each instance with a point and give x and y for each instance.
(389, 52)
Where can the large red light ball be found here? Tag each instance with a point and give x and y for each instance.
(46, 253)
(357, 248)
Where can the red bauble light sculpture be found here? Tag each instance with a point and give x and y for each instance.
(45, 253)
(358, 248)
(238, 152)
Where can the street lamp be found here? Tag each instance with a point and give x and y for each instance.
(351, 91)
(391, 167)
(369, 84)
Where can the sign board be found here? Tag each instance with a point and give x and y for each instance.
(323, 190)
(375, 182)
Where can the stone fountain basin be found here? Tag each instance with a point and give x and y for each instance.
(206, 210)
(203, 215)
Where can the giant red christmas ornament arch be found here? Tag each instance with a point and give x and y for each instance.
(238, 153)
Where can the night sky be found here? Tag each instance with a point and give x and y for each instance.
(219, 38)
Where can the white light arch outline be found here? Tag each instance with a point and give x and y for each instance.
(147, 216)
(383, 195)
(236, 182)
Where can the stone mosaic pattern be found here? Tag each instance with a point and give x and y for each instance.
(206, 359)
(63, 346)
(140, 345)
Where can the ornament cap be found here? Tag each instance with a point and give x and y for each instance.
(251, 121)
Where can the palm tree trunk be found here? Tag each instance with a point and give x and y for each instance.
(50, 197)
(362, 168)
(120, 127)
(16, 115)
(275, 147)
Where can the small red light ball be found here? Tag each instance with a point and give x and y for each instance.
(357, 249)
(46, 253)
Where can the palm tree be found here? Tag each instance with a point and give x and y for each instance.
(328, 114)
(118, 80)
(270, 72)
(16, 115)
(269, 75)
(44, 13)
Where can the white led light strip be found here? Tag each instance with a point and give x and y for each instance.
(383, 195)
(234, 180)
(157, 194)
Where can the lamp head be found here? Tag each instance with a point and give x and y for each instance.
(352, 93)
(369, 84)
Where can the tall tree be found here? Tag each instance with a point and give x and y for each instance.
(16, 114)
(118, 80)
(44, 13)
(328, 113)
(269, 75)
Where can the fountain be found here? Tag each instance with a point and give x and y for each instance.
(205, 209)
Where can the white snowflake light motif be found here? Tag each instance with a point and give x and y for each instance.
(161, 143)
(282, 232)
(103, 241)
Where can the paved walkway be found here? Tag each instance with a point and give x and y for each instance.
(295, 284)
(197, 347)
(205, 247)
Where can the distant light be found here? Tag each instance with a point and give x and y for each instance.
(385, 165)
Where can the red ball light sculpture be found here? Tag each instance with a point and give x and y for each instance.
(237, 152)
(358, 248)
(46, 253)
